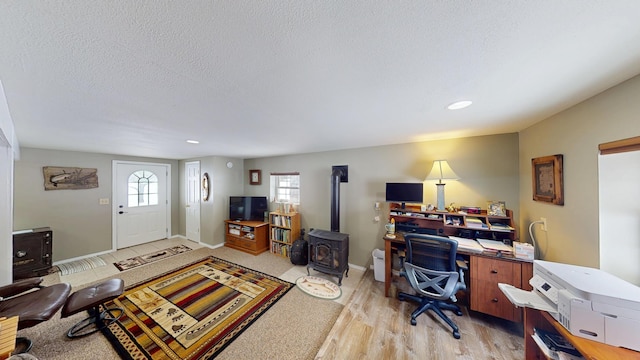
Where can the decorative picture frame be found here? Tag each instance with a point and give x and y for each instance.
(255, 177)
(547, 179)
(69, 178)
(496, 208)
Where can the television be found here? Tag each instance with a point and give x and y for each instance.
(245, 208)
(405, 193)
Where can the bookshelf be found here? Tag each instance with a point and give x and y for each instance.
(284, 229)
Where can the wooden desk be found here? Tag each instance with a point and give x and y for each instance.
(486, 270)
(588, 348)
(8, 332)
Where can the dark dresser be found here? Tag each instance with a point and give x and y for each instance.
(32, 252)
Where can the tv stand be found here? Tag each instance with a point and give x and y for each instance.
(247, 236)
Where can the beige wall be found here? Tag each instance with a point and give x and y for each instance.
(572, 235)
(487, 166)
(81, 226)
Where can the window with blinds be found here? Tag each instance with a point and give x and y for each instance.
(285, 188)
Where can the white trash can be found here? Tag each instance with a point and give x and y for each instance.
(378, 264)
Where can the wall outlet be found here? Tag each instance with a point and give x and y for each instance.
(104, 201)
(544, 223)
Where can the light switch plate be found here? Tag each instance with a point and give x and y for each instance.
(104, 201)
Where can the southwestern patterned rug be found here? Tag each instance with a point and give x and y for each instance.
(193, 312)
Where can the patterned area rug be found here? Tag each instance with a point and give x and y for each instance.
(193, 312)
(80, 265)
(319, 287)
(147, 258)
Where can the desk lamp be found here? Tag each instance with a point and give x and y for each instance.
(441, 171)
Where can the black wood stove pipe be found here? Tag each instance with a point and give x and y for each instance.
(338, 175)
(335, 200)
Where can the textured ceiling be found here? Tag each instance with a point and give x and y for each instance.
(263, 78)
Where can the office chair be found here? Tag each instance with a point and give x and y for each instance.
(32, 306)
(435, 273)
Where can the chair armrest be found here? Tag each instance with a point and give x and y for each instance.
(462, 264)
(19, 286)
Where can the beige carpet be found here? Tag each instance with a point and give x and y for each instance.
(294, 328)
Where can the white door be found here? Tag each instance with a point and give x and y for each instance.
(140, 203)
(192, 173)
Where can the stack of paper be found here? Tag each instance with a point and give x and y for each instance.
(467, 244)
(554, 345)
(493, 245)
(475, 223)
(501, 227)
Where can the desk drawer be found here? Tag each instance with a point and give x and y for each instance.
(486, 297)
(241, 242)
(494, 270)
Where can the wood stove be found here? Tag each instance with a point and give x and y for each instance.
(329, 253)
(32, 252)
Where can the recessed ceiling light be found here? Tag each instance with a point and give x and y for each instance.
(459, 105)
(193, 141)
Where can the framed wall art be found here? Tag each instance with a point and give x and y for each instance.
(255, 177)
(547, 179)
(69, 178)
(496, 208)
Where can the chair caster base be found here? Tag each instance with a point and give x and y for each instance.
(97, 320)
(23, 345)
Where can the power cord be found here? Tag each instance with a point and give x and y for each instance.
(533, 239)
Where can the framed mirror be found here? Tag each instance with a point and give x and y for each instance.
(205, 187)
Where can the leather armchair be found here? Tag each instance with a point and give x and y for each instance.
(32, 302)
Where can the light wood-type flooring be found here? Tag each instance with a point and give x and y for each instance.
(373, 326)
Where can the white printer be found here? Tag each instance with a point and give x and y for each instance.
(588, 302)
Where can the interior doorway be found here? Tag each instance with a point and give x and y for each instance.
(141, 202)
(192, 174)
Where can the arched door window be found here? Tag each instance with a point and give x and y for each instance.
(143, 189)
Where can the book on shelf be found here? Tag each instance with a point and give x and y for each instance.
(281, 220)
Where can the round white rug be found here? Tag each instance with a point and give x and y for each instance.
(319, 287)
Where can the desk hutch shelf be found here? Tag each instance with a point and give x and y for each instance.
(481, 225)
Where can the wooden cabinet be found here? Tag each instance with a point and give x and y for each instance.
(247, 236)
(487, 272)
(481, 225)
(284, 229)
(32, 252)
(588, 348)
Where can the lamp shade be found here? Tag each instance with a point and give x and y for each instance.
(441, 171)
